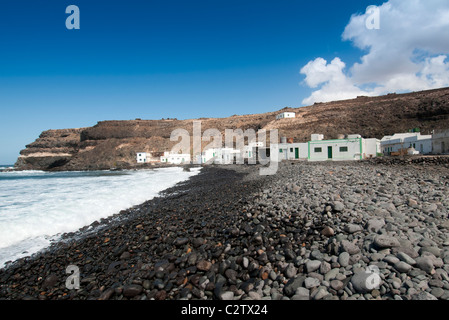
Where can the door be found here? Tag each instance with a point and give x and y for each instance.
(296, 153)
(329, 152)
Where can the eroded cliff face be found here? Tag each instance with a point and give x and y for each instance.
(114, 144)
(67, 149)
(53, 149)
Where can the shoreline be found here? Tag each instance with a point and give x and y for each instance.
(308, 232)
(404, 159)
(98, 233)
(124, 168)
(75, 208)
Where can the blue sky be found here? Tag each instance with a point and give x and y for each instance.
(158, 59)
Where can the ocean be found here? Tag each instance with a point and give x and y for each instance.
(37, 207)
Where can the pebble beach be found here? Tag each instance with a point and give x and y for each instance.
(369, 230)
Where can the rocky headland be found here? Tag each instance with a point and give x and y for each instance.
(318, 231)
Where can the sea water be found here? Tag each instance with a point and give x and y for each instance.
(36, 207)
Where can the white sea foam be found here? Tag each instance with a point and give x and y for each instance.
(35, 207)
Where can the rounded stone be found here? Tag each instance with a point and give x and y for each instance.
(375, 225)
(406, 258)
(227, 295)
(364, 282)
(402, 267)
(132, 290)
(384, 241)
(337, 285)
(338, 206)
(425, 264)
(437, 292)
(349, 247)
(327, 232)
(203, 265)
(313, 265)
(343, 259)
(311, 282)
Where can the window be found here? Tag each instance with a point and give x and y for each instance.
(280, 151)
(291, 149)
(318, 150)
(343, 149)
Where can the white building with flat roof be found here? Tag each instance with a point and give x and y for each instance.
(316, 137)
(230, 155)
(212, 155)
(400, 142)
(285, 115)
(219, 155)
(289, 151)
(440, 142)
(353, 147)
(226, 155)
(141, 157)
(175, 158)
(371, 147)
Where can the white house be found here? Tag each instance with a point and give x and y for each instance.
(231, 155)
(141, 157)
(211, 155)
(289, 151)
(316, 136)
(400, 142)
(250, 151)
(220, 155)
(285, 115)
(175, 158)
(353, 147)
(440, 141)
(371, 147)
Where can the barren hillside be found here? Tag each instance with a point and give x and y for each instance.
(113, 144)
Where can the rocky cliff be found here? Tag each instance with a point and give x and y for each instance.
(113, 144)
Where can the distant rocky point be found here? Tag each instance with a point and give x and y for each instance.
(114, 144)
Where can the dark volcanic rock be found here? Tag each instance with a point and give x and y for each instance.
(293, 284)
(132, 290)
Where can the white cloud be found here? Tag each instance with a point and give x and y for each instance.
(408, 53)
(334, 83)
(436, 71)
